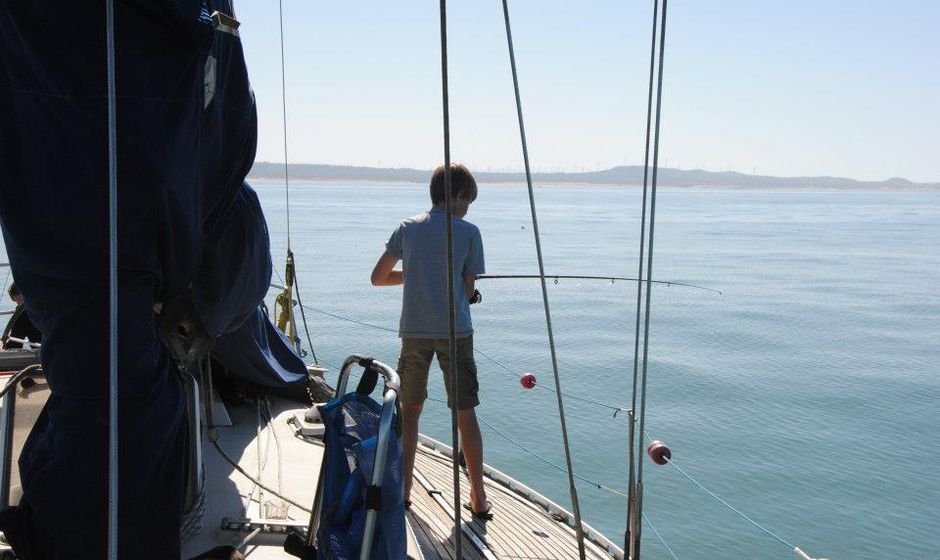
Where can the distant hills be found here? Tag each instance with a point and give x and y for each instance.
(625, 175)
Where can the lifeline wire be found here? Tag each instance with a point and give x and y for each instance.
(649, 269)
(548, 316)
(729, 506)
(660, 537)
(616, 409)
(449, 263)
(113, 304)
(639, 284)
(579, 477)
(594, 483)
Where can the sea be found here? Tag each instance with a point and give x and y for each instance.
(800, 404)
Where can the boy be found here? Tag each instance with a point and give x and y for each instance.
(420, 243)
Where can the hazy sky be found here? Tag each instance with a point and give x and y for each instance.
(791, 87)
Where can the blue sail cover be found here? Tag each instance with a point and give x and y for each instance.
(186, 133)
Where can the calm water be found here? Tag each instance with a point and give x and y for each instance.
(806, 395)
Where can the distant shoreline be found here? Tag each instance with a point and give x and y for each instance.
(617, 177)
(560, 184)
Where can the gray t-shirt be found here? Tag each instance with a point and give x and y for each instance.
(421, 244)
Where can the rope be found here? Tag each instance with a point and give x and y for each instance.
(5, 282)
(214, 439)
(732, 508)
(660, 537)
(449, 262)
(238, 468)
(280, 13)
(277, 444)
(649, 268)
(262, 459)
(191, 523)
(113, 279)
(576, 508)
(639, 287)
(300, 302)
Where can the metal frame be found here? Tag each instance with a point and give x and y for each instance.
(6, 444)
(389, 401)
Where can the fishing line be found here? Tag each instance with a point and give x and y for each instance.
(556, 277)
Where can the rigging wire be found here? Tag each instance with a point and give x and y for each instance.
(451, 306)
(290, 255)
(576, 508)
(113, 298)
(631, 501)
(649, 268)
(280, 13)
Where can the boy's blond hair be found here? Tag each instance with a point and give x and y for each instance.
(462, 183)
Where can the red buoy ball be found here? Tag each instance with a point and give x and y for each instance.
(659, 452)
(527, 380)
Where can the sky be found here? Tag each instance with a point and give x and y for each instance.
(787, 88)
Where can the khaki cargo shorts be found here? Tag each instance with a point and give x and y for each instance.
(415, 363)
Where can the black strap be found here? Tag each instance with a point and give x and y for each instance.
(295, 545)
(367, 382)
(374, 497)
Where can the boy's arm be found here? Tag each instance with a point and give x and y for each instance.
(384, 273)
(468, 282)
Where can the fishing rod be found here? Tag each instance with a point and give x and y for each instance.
(556, 277)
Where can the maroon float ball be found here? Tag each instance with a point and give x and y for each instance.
(659, 452)
(527, 380)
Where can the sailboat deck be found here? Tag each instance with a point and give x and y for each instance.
(518, 529)
(270, 451)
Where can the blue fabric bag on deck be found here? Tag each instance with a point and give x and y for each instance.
(351, 431)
